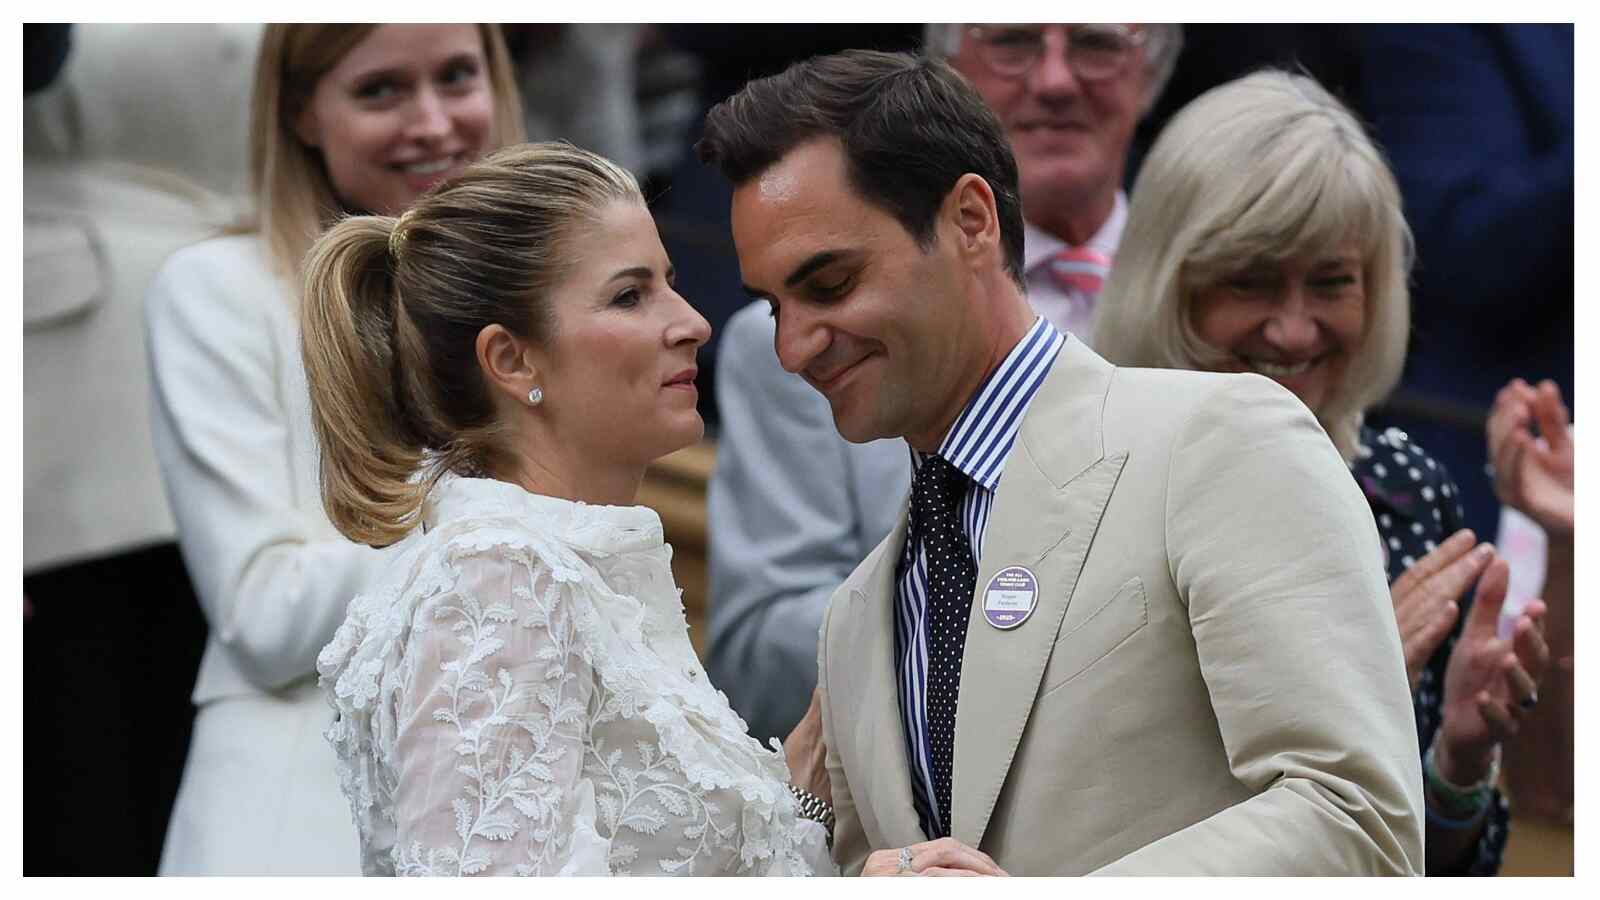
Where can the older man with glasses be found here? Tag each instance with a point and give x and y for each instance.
(793, 506)
(1069, 98)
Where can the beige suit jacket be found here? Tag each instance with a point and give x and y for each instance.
(1211, 681)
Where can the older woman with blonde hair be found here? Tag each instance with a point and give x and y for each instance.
(345, 118)
(1265, 235)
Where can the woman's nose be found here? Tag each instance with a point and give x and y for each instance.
(430, 119)
(1292, 329)
(689, 326)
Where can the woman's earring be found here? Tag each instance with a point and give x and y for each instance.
(535, 397)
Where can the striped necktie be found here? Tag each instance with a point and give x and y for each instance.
(1081, 271)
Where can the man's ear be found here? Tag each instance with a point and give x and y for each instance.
(970, 207)
(506, 362)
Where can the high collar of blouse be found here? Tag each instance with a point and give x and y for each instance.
(598, 529)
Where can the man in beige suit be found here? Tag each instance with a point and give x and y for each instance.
(1132, 621)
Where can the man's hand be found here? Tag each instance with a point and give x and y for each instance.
(945, 856)
(806, 754)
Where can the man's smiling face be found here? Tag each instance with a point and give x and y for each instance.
(864, 314)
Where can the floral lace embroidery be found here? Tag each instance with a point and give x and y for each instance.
(594, 752)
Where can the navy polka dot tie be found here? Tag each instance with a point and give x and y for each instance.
(935, 521)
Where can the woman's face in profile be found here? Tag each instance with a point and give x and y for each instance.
(1296, 321)
(618, 373)
(408, 107)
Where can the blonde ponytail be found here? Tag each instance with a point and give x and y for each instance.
(371, 451)
(392, 309)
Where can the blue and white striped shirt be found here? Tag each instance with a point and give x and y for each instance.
(977, 444)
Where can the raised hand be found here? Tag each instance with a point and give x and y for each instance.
(1490, 682)
(1425, 596)
(1533, 474)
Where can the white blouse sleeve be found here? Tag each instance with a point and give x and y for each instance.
(493, 724)
(273, 587)
(812, 845)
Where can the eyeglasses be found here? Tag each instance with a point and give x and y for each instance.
(1094, 52)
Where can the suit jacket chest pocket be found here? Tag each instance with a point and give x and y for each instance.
(1087, 640)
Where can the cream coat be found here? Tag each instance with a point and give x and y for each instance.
(1211, 682)
(231, 418)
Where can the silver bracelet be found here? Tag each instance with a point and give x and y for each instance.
(809, 806)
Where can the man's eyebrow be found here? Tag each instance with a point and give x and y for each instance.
(813, 263)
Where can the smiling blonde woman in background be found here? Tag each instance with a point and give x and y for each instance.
(345, 118)
(1265, 235)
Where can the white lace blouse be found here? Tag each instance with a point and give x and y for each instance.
(518, 694)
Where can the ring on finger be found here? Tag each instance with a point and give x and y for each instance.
(903, 864)
(1530, 701)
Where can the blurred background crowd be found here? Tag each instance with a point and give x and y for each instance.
(137, 143)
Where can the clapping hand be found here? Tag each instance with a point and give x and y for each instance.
(1425, 595)
(1490, 682)
(1533, 474)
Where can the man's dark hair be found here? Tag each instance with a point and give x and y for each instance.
(910, 126)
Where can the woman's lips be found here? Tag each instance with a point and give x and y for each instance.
(1282, 369)
(424, 174)
(682, 381)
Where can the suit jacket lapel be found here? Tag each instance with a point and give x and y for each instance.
(1056, 484)
(881, 783)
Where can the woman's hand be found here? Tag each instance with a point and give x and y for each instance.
(945, 856)
(1490, 682)
(807, 756)
(1533, 474)
(1425, 595)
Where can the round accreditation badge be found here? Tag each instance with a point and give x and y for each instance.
(1009, 599)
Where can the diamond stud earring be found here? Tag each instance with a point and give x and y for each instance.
(535, 397)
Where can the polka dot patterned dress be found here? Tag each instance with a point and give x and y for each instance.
(1417, 507)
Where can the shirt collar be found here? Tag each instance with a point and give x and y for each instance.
(983, 433)
(1039, 245)
(596, 528)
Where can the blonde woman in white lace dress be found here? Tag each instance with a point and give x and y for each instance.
(490, 375)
